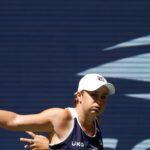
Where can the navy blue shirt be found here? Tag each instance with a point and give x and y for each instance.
(78, 139)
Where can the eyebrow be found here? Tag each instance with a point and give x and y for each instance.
(96, 92)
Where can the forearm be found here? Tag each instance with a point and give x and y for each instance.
(41, 122)
(16, 122)
(7, 119)
(33, 122)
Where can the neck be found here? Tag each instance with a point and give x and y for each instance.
(86, 122)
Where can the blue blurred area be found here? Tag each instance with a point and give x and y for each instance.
(44, 44)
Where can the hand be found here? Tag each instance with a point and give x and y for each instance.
(37, 142)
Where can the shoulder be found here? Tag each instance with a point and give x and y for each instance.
(61, 120)
(55, 114)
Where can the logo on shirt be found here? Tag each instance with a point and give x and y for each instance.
(77, 144)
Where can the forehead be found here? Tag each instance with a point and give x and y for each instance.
(103, 89)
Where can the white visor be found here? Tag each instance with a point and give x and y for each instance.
(92, 82)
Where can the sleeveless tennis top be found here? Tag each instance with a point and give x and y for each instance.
(77, 139)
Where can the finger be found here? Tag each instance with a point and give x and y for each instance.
(29, 146)
(26, 146)
(26, 140)
(31, 134)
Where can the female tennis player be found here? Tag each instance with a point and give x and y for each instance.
(68, 128)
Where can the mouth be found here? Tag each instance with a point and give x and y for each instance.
(96, 108)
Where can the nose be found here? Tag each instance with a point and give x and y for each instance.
(101, 101)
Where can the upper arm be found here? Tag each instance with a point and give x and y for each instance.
(41, 122)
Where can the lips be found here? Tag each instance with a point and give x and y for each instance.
(96, 108)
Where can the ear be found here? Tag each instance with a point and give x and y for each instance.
(78, 97)
(78, 94)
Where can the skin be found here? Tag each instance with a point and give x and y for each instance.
(38, 142)
(95, 102)
(57, 122)
(92, 104)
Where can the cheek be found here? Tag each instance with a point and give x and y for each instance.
(104, 104)
(87, 101)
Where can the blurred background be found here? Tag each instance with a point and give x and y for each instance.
(46, 46)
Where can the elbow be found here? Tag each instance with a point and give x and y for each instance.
(12, 126)
(9, 127)
(9, 120)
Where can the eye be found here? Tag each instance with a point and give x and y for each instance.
(93, 94)
(103, 97)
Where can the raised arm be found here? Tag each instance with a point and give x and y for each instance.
(41, 122)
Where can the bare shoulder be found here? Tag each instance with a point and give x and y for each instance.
(56, 114)
(61, 120)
